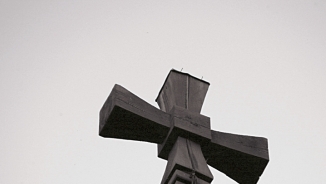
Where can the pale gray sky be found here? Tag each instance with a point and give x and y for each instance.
(265, 61)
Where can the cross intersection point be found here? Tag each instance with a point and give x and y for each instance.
(183, 135)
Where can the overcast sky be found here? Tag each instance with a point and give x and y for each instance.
(59, 60)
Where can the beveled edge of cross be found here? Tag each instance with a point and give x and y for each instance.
(126, 116)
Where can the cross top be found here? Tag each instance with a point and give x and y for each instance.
(183, 135)
(183, 90)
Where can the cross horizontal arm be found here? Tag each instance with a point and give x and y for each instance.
(126, 116)
(242, 158)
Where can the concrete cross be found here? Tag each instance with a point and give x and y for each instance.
(183, 135)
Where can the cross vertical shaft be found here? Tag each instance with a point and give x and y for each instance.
(182, 96)
(186, 164)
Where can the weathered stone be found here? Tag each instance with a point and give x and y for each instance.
(183, 90)
(126, 116)
(242, 158)
(187, 124)
(183, 135)
(186, 156)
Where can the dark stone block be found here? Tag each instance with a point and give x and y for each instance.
(183, 90)
(126, 116)
(242, 158)
(186, 156)
(187, 124)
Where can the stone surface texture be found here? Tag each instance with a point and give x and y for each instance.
(183, 135)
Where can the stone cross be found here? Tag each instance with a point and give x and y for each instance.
(183, 135)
